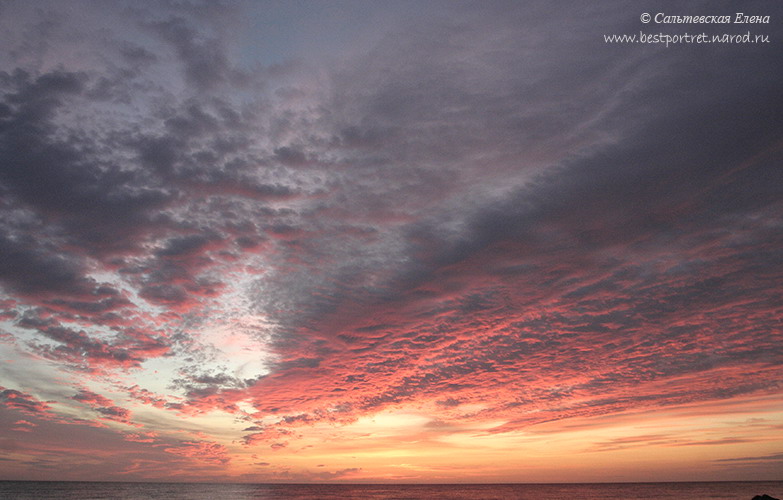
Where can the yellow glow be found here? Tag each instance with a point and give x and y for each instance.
(403, 445)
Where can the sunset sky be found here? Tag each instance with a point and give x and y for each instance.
(365, 241)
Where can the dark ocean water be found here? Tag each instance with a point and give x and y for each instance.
(44, 490)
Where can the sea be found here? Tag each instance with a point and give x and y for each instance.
(73, 490)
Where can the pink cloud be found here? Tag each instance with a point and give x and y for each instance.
(25, 403)
(211, 452)
(142, 437)
(104, 407)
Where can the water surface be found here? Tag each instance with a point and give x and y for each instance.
(51, 490)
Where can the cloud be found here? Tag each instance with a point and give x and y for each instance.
(24, 426)
(24, 402)
(213, 453)
(82, 352)
(204, 63)
(143, 437)
(348, 472)
(765, 458)
(147, 397)
(29, 270)
(103, 406)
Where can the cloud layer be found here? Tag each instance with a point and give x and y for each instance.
(485, 219)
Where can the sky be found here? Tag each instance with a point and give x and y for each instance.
(359, 241)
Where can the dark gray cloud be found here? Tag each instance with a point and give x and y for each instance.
(204, 62)
(465, 132)
(59, 174)
(28, 269)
